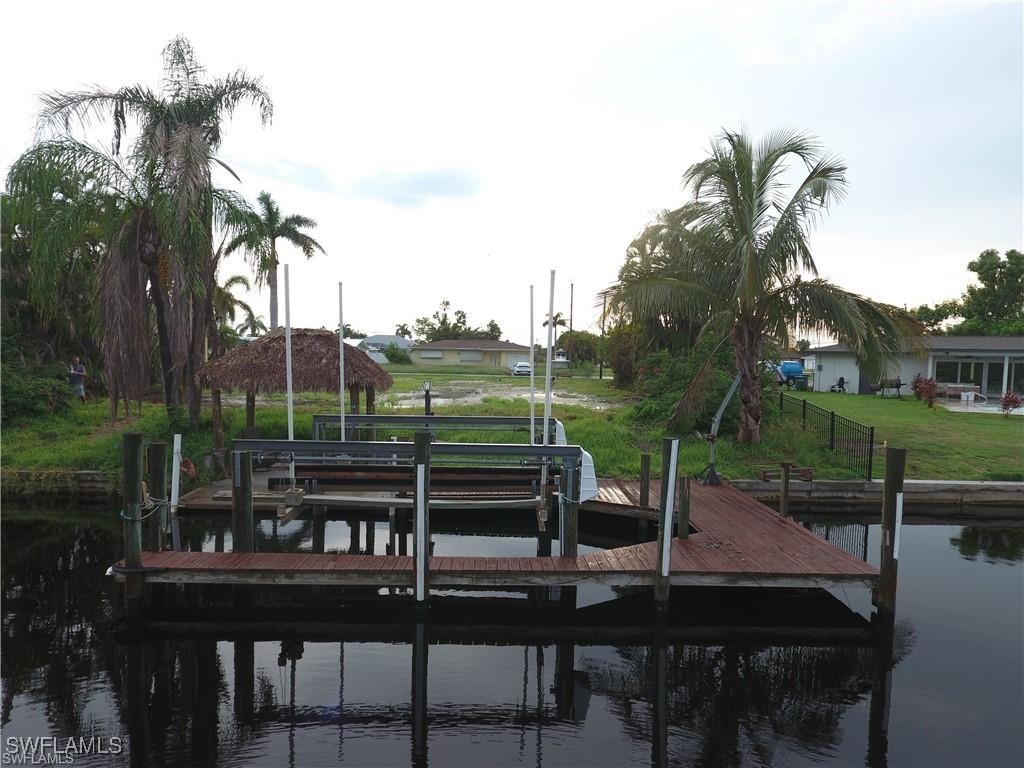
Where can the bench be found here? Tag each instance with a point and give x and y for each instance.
(894, 384)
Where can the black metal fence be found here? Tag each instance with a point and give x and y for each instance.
(852, 538)
(852, 441)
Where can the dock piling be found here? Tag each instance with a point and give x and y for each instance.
(132, 515)
(645, 493)
(421, 515)
(569, 532)
(669, 469)
(784, 495)
(156, 462)
(892, 523)
(242, 533)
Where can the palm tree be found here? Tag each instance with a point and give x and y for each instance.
(259, 240)
(557, 320)
(164, 185)
(738, 254)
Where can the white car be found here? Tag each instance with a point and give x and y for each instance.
(520, 369)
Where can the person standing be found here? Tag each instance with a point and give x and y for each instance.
(77, 376)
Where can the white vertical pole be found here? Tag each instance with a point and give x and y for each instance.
(288, 371)
(341, 362)
(667, 520)
(533, 428)
(547, 363)
(175, 490)
(899, 526)
(421, 533)
(1006, 376)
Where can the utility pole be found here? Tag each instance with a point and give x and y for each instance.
(572, 288)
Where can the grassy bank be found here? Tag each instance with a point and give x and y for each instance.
(941, 444)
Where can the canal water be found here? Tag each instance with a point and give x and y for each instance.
(954, 697)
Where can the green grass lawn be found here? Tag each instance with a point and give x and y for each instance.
(940, 444)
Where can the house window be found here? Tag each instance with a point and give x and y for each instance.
(431, 354)
(471, 356)
(947, 371)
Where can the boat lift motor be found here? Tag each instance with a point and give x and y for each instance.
(709, 475)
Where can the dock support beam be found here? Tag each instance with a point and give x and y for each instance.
(242, 533)
(892, 523)
(784, 495)
(421, 516)
(666, 518)
(156, 462)
(131, 515)
(569, 531)
(645, 494)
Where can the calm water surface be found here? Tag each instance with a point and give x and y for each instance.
(956, 698)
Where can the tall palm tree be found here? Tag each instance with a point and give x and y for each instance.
(557, 320)
(740, 260)
(171, 158)
(259, 241)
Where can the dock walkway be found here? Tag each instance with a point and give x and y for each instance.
(734, 540)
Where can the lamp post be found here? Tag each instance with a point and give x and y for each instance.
(426, 399)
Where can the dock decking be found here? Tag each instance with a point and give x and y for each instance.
(735, 541)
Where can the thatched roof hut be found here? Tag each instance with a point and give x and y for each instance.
(260, 367)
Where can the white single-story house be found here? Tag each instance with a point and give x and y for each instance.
(993, 363)
(476, 352)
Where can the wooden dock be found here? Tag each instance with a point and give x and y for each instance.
(734, 541)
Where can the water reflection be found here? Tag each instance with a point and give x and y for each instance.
(370, 687)
(996, 545)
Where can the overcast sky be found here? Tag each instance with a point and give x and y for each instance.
(461, 151)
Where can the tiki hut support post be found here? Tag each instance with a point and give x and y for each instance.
(288, 374)
(341, 362)
(371, 408)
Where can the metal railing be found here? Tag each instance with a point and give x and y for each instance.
(851, 441)
(327, 425)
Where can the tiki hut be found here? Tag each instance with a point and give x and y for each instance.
(260, 367)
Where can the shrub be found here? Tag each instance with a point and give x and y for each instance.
(1009, 402)
(924, 389)
(395, 354)
(28, 393)
(620, 354)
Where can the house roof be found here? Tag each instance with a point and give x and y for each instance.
(384, 339)
(489, 345)
(953, 343)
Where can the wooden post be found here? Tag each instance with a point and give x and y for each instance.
(669, 468)
(217, 416)
(803, 413)
(250, 408)
(355, 538)
(131, 514)
(784, 495)
(683, 517)
(371, 408)
(892, 522)
(242, 532)
(421, 515)
(570, 532)
(642, 525)
(319, 530)
(371, 531)
(353, 408)
(218, 538)
(156, 460)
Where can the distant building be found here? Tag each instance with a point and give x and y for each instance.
(994, 363)
(381, 341)
(476, 352)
